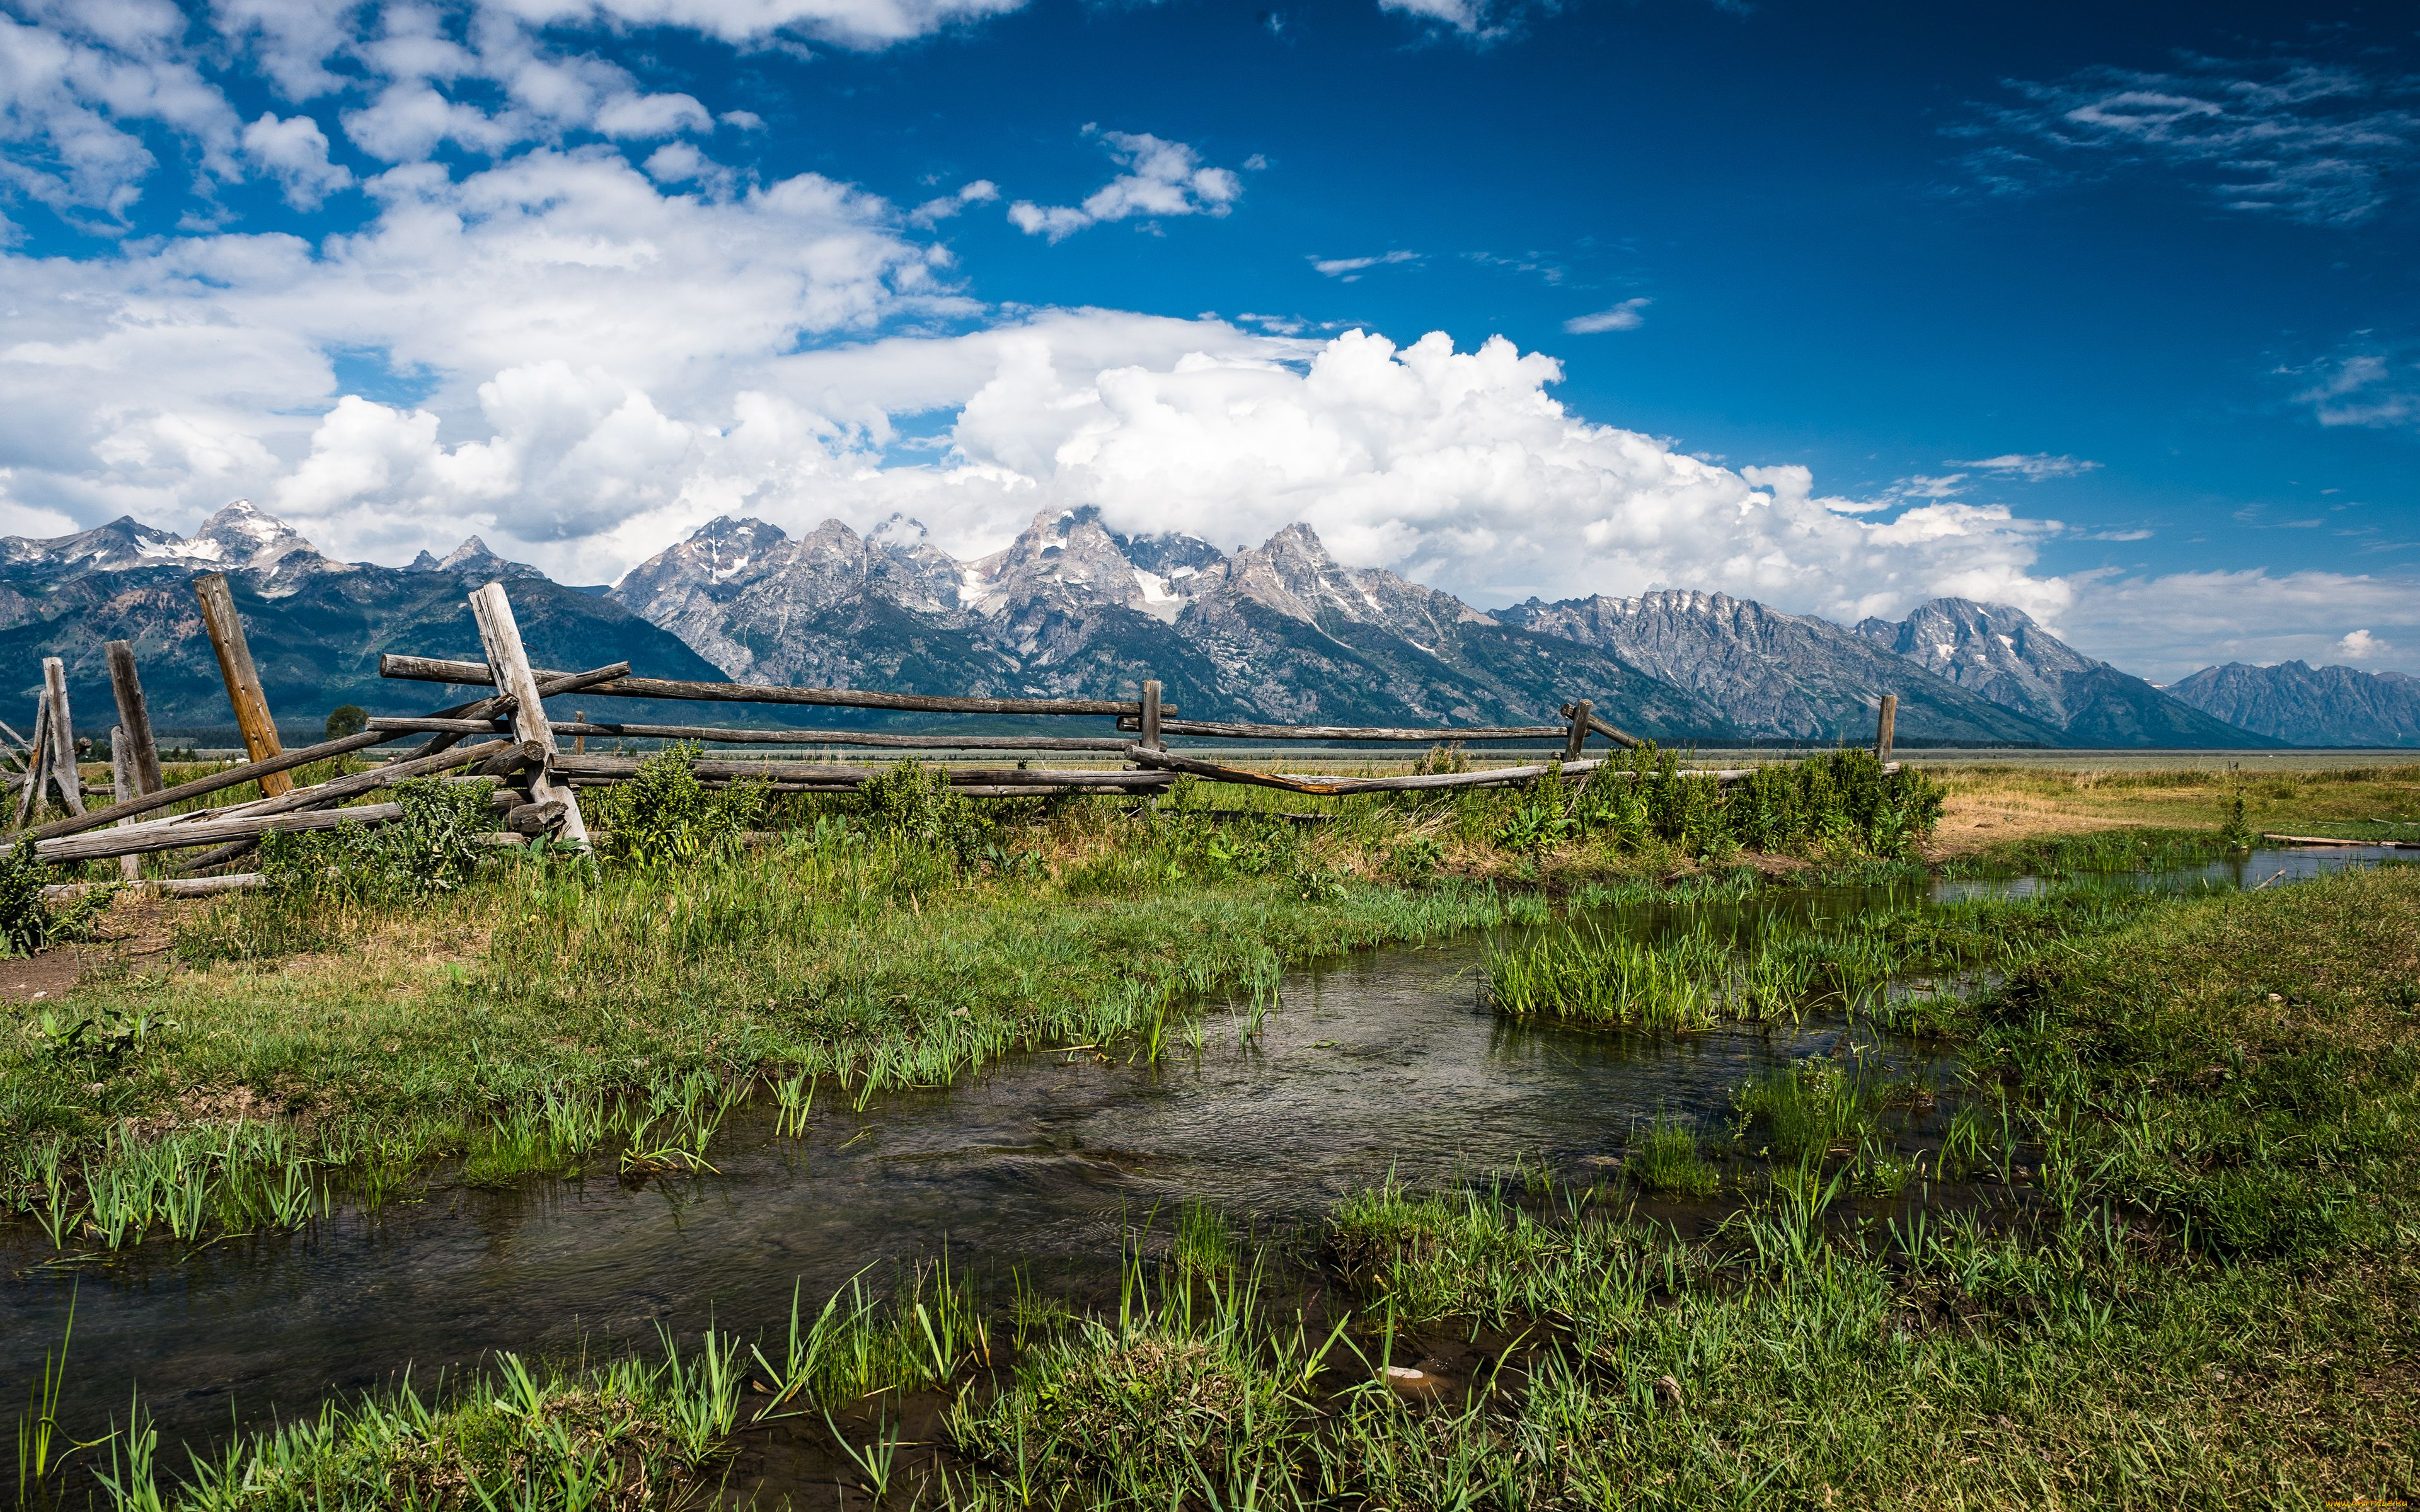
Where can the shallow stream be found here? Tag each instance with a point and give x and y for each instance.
(1383, 1064)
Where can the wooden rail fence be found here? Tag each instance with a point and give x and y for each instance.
(507, 734)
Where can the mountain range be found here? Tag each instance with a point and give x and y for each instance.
(2309, 705)
(1280, 632)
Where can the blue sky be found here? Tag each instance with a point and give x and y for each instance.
(2110, 312)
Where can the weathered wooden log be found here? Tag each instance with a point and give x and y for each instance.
(121, 777)
(1229, 730)
(470, 674)
(1884, 718)
(730, 735)
(536, 818)
(1329, 787)
(337, 789)
(1148, 724)
(163, 835)
(134, 714)
(501, 706)
(67, 777)
(2339, 840)
(500, 636)
(842, 778)
(38, 761)
(1579, 718)
(1619, 738)
(59, 893)
(242, 679)
(232, 777)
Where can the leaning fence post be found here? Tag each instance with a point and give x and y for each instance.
(135, 715)
(501, 637)
(1883, 722)
(64, 775)
(1579, 735)
(242, 678)
(37, 762)
(1150, 720)
(122, 785)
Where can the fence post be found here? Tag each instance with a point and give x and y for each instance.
(580, 743)
(65, 776)
(1150, 720)
(1883, 722)
(243, 680)
(501, 639)
(37, 762)
(1579, 735)
(122, 787)
(135, 715)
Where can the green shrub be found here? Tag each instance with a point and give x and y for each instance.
(666, 815)
(27, 920)
(431, 847)
(914, 802)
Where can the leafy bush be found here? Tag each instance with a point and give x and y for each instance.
(431, 847)
(666, 815)
(916, 803)
(1841, 800)
(27, 920)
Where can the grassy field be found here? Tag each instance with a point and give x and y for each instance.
(2178, 1265)
(2172, 1259)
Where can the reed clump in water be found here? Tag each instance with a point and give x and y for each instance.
(1582, 974)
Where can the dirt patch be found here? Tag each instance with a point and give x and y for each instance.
(135, 931)
(1972, 821)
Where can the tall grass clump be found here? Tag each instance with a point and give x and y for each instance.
(1841, 804)
(431, 847)
(1578, 973)
(28, 920)
(1803, 1111)
(1664, 1157)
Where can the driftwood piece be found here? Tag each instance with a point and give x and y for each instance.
(1229, 730)
(500, 636)
(730, 735)
(470, 674)
(134, 714)
(167, 835)
(251, 704)
(67, 777)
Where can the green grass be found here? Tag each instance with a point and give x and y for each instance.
(1664, 1158)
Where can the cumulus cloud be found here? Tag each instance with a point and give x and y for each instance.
(78, 88)
(295, 150)
(1627, 316)
(1472, 19)
(2031, 466)
(2303, 140)
(1162, 178)
(2360, 645)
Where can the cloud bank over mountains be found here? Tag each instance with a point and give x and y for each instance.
(569, 319)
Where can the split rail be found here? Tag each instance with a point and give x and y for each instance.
(507, 734)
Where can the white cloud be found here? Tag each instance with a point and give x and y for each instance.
(1351, 269)
(2365, 388)
(1627, 316)
(1162, 178)
(2165, 627)
(72, 84)
(2031, 466)
(2306, 141)
(933, 212)
(295, 150)
(2360, 645)
(1470, 17)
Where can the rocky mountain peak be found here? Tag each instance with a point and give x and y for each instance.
(1065, 560)
(242, 537)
